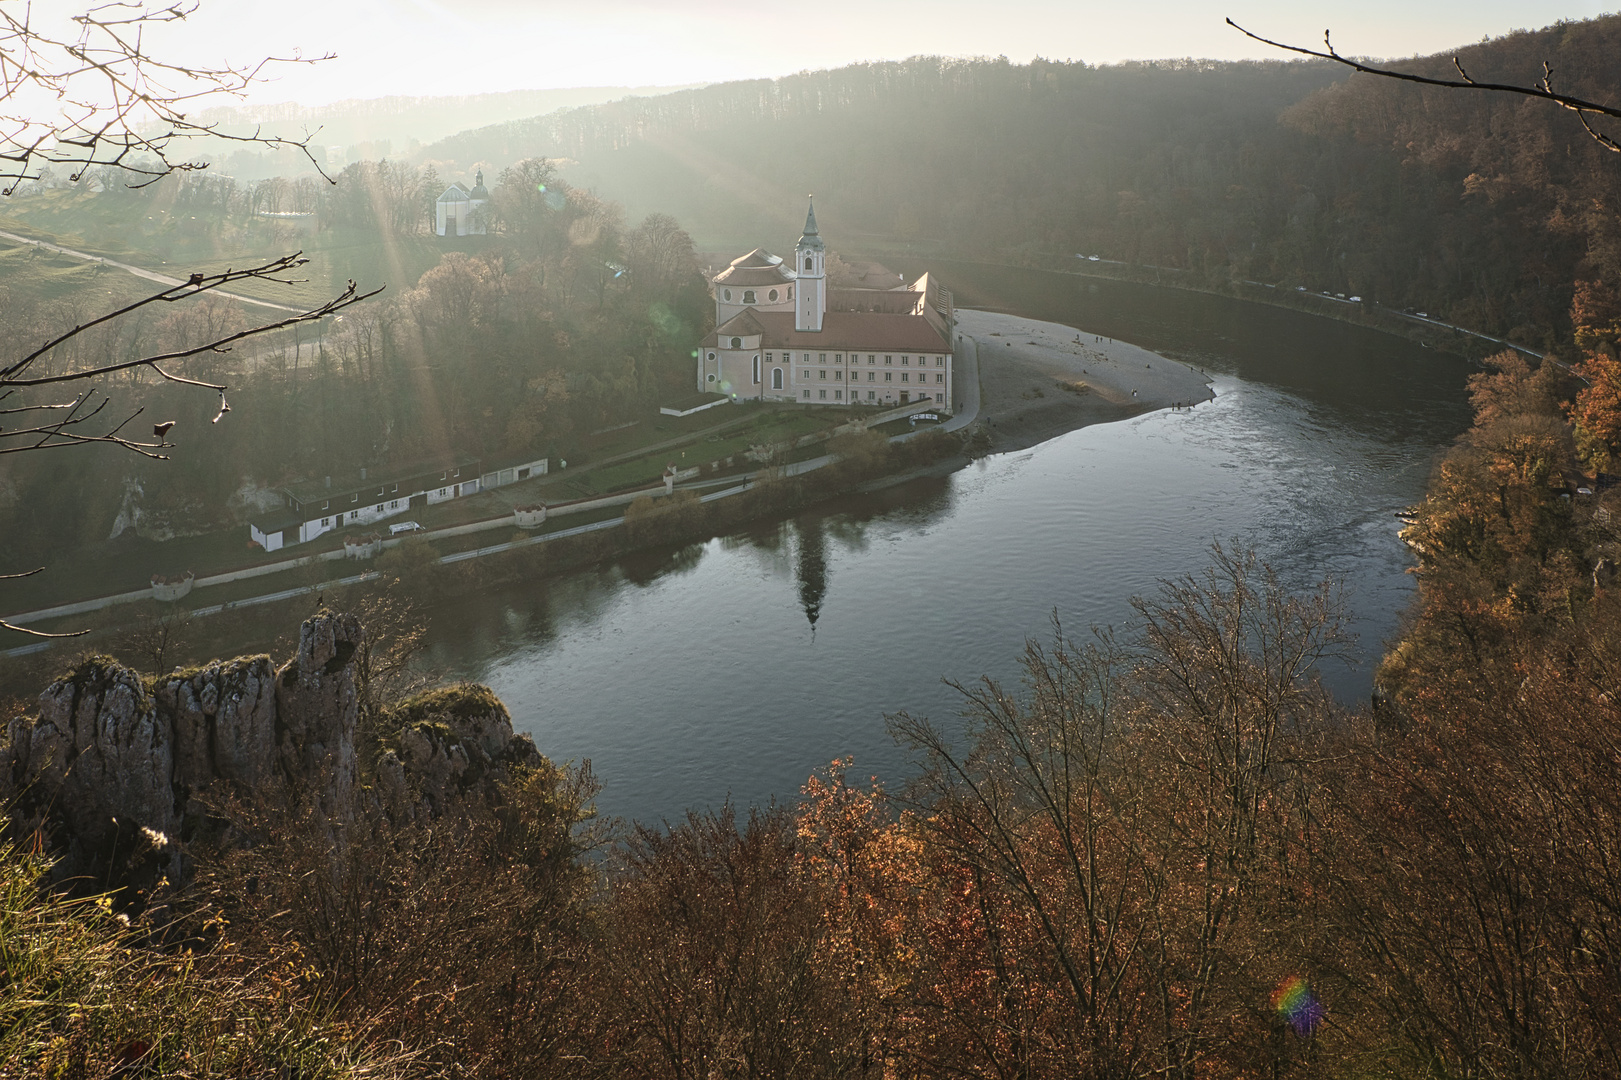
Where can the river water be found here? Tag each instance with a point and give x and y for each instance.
(736, 667)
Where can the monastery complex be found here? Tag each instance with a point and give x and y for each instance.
(782, 335)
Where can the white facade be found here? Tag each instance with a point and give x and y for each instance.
(459, 212)
(826, 347)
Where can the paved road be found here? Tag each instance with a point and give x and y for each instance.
(149, 275)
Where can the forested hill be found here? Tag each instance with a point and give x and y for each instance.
(1484, 207)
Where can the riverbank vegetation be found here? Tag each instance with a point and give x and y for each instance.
(1165, 852)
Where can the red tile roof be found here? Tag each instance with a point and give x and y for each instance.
(842, 331)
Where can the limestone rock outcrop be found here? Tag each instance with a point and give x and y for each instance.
(112, 762)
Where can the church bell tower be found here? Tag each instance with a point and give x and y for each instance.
(808, 258)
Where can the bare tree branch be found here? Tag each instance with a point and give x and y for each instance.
(1541, 89)
(70, 430)
(114, 104)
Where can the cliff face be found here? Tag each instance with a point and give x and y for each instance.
(111, 769)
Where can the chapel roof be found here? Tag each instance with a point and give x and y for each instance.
(751, 276)
(757, 257)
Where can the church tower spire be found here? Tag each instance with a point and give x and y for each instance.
(808, 259)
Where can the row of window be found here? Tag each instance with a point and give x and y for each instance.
(872, 395)
(748, 295)
(855, 358)
(872, 376)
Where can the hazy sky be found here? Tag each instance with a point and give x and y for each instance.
(462, 46)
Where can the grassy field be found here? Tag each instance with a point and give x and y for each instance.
(143, 233)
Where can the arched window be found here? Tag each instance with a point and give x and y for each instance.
(772, 296)
(748, 296)
(737, 343)
(807, 263)
(756, 371)
(727, 294)
(776, 378)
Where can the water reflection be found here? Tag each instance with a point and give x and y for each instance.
(735, 667)
(811, 568)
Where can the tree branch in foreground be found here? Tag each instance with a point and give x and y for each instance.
(68, 423)
(1542, 88)
(111, 103)
(23, 629)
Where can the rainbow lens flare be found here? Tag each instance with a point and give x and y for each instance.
(1298, 1005)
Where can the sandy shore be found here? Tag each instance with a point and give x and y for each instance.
(1041, 379)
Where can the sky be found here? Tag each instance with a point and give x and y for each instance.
(435, 47)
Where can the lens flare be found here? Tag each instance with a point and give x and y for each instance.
(1295, 1002)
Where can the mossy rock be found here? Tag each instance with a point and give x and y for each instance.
(460, 702)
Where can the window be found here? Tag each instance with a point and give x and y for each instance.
(905, 360)
(822, 374)
(823, 394)
(807, 393)
(889, 359)
(940, 398)
(768, 358)
(871, 375)
(807, 263)
(711, 356)
(906, 376)
(756, 371)
(326, 523)
(939, 376)
(803, 374)
(790, 292)
(871, 394)
(772, 296)
(939, 361)
(776, 378)
(838, 376)
(737, 343)
(711, 377)
(821, 358)
(889, 375)
(748, 296)
(838, 395)
(326, 505)
(838, 358)
(871, 359)
(396, 489)
(728, 294)
(355, 497)
(458, 472)
(805, 357)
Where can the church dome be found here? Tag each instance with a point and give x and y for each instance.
(479, 190)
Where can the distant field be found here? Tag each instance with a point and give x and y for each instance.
(143, 233)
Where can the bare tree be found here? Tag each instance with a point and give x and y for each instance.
(1541, 88)
(92, 96)
(107, 101)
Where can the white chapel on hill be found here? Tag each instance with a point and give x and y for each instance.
(460, 212)
(782, 335)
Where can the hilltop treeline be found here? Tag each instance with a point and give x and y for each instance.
(1484, 207)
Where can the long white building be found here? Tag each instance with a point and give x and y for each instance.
(782, 335)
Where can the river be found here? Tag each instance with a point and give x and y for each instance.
(734, 668)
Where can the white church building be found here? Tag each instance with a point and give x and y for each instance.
(782, 335)
(460, 212)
